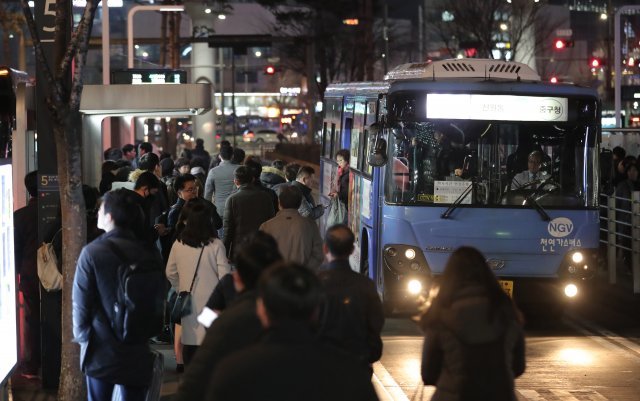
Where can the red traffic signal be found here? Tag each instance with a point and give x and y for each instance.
(269, 70)
(560, 44)
(596, 62)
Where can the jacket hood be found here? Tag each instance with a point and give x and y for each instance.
(133, 176)
(272, 170)
(468, 317)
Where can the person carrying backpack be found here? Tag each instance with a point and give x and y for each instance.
(114, 334)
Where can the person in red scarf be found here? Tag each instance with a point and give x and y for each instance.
(342, 182)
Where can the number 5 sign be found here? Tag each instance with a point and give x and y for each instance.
(45, 15)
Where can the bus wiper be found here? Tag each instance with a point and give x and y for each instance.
(458, 200)
(533, 200)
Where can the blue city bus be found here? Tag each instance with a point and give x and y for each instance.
(435, 151)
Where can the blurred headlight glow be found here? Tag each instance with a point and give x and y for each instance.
(570, 290)
(414, 287)
(577, 257)
(410, 254)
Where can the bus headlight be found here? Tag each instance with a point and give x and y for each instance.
(410, 254)
(577, 257)
(404, 259)
(571, 290)
(414, 287)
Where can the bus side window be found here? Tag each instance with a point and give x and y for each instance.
(325, 140)
(340, 136)
(333, 140)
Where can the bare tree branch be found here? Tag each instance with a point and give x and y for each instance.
(83, 46)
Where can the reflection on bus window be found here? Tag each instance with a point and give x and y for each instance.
(433, 162)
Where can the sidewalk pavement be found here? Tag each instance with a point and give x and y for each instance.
(29, 389)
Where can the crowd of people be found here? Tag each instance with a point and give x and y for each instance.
(624, 183)
(242, 240)
(272, 300)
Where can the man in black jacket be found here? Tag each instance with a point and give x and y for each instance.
(25, 223)
(244, 210)
(104, 360)
(289, 364)
(236, 328)
(351, 316)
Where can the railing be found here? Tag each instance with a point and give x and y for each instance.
(614, 221)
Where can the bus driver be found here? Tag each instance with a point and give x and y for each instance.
(533, 172)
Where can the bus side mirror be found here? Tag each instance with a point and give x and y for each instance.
(378, 155)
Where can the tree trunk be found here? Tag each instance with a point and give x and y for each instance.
(68, 150)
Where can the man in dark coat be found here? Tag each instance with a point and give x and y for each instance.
(303, 182)
(236, 328)
(104, 360)
(244, 210)
(25, 223)
(351, 316)
(289, 363)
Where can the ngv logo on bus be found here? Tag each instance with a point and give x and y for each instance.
(560, 227)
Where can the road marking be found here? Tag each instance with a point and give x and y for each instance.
(392, 391)
(604, 337)
(559, 395)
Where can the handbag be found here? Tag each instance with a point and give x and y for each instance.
(337, 212)
(48, 270)
(182, 306)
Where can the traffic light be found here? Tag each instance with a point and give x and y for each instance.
(269, 70)
(560, 44)
(596, 62)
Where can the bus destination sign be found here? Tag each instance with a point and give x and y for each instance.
(496, 107)
(148, 76)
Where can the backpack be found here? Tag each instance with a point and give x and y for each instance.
(138, 310)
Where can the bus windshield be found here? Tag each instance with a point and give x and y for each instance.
(492, 164)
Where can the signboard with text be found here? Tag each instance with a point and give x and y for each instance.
(8, 320)
(496, 107)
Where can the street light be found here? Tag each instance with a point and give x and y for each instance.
(135, 9)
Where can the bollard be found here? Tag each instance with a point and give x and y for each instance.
(611, 239)
(635, 244)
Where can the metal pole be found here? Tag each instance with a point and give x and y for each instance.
(385, 35)
(635, 244)
(132, 11)
(224, 117)
(611, 240)
(233, 97)
(420, 35)
(106, 70)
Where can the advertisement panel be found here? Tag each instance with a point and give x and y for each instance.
(8, 320)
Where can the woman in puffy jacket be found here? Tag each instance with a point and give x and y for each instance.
(474, 343)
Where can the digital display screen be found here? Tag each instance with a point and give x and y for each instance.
(8, 321)
(496, 107)
(142, 77)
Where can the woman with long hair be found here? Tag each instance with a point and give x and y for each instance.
(341, 189)
(196, 263)
(474, 343)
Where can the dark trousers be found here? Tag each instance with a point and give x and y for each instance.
(188, 351)
(32, 320)
(100, 390)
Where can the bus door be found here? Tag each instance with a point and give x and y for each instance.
(365, 212)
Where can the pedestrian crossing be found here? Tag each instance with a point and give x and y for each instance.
(389, 390)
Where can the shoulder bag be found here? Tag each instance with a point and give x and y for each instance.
(182, 307)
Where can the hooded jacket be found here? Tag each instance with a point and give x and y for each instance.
(469, 355)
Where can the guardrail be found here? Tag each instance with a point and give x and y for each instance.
(619, 224)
